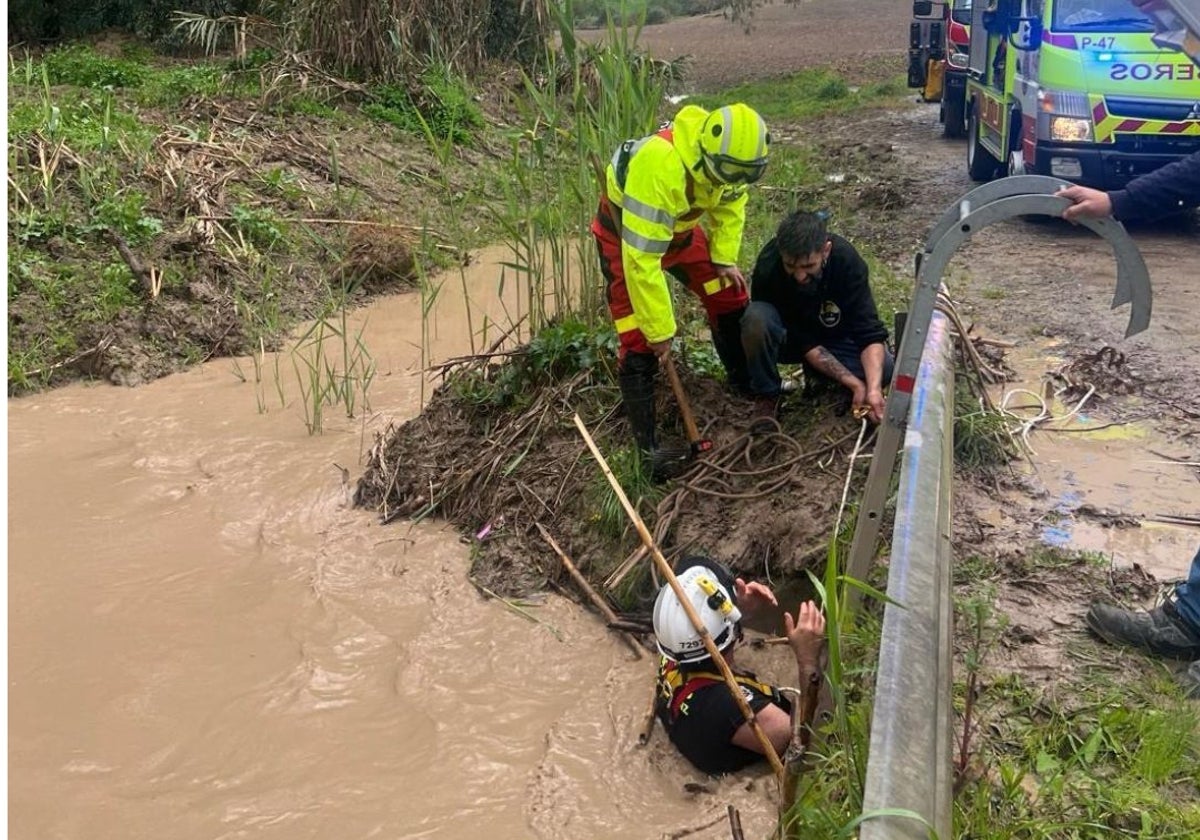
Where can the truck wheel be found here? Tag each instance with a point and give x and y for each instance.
(981, 166)
(953, 124)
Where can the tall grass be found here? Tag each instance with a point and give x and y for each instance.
(333, 366)
(589, 99)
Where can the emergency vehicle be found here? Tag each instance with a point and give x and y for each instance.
(937, 58)
(1078, 89)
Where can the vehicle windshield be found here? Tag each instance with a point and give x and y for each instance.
(1099, 16)
(960, 12)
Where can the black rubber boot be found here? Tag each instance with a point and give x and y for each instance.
(637, 379)
(1160, 631)
(727, 340)
(636, 376)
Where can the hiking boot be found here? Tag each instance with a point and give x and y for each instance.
(1160, 631)
(765, 417)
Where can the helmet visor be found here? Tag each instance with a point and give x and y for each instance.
(733, 171)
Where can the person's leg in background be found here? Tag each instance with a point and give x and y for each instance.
(1170, 630)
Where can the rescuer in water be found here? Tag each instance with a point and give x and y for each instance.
(701, 717)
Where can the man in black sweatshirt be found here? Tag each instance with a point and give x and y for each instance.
(1166, 190)
(811, 302)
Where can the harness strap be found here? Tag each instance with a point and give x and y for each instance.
(682, 690)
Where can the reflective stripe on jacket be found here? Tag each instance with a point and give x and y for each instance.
(661, 190)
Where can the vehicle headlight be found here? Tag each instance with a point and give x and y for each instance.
(959, 60)
(1071, 129)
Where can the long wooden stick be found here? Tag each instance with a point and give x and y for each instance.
(648, 721)
(685, 409)
(598, 602)
(664, 569)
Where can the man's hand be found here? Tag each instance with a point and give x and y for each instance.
(733, 273)
(753, 596)
(661, 349)
(805, 633)
(873, 404)
(858, 398)
(1088, 203)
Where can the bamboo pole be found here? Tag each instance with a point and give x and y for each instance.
(597, 601)
(664, 568)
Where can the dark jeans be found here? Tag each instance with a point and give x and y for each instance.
(1187, 596)
(765, 340)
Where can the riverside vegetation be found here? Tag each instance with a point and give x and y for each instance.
(165, 212)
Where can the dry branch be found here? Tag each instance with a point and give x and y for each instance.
(598, 602)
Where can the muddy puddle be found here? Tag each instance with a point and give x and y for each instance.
(1100, 484)
(206, 641)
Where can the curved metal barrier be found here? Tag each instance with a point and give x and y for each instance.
(909, 765)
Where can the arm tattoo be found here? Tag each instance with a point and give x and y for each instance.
(828, 364)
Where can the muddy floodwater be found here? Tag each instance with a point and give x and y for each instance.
(206, 641)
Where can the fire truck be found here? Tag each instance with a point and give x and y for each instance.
(1085, 90)
(937, 58)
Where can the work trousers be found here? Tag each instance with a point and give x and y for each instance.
(687, 260)
(1187, 597)
(767, 344)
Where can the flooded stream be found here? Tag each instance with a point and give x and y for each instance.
(206, 641)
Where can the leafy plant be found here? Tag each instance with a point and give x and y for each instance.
(441, 105)
(82, 66)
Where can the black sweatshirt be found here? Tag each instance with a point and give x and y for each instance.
(1169, 189)
(838, 305)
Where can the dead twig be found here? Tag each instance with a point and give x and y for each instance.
(696, 829)
(524, 613)
(598, 602)
(148, 277)
(99, 348)
(647, 728)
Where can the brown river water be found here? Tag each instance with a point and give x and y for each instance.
(206, 641)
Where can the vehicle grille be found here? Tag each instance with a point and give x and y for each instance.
(1150, 109)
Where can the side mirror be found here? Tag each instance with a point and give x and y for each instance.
(1028, 34)
(1035, 34)
(922, 8)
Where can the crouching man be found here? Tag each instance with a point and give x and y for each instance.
(811, 302)
(701, 717)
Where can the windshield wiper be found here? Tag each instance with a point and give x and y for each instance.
(1145, 24)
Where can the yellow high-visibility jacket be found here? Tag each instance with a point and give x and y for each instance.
(662, 190)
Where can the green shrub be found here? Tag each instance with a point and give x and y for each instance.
(831, 87)
(441, 107)
(125, 212)
(82, 66)
(657, 14)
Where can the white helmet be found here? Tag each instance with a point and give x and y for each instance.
(710, 596)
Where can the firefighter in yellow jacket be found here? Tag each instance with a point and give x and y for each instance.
(657, 189)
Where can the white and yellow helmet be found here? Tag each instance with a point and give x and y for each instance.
(734, 144)
(708, 590)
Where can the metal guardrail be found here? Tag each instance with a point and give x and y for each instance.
(909, 763)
